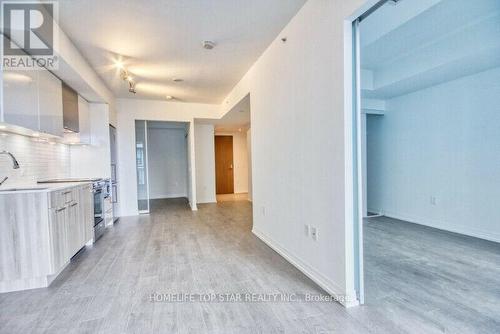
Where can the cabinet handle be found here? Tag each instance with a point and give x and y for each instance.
(61, 209)
(72, 205)
(66, 192)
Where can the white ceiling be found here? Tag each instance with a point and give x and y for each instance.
(162, 39)
(414, 45)
(236, 119)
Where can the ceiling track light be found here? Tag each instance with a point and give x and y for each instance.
(125, 76)
(131, 87)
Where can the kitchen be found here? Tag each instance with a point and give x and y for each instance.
(58, 165)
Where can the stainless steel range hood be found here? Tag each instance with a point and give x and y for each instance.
(70, 109)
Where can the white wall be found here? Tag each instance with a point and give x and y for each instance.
(37, 160)
(249, 151)
(42, 160)
(94, 160)
(205, 163)
(298, 156)
(440, 142)
(240, 160)
(168, 163)
(130, 110)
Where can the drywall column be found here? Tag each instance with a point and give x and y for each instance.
(205, 163)
(192, 166)
(249, 151)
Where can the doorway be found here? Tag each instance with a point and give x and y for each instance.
(421, 198)
(162, 162)
(224, 165)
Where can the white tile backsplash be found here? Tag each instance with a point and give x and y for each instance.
(37, 160)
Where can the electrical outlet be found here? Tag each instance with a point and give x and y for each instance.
(314, 233)
(307, 230)
(263, 210)
(433, 200)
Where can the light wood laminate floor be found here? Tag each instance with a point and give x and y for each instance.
(107, 288)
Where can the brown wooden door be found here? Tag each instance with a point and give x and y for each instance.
(224, 165)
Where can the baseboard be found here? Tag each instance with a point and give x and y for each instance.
(169, 196)
(207, 202)
(325, 283)
(442, 226)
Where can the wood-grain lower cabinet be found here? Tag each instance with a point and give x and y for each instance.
(71, 223)
(40, 232)
(58, 229)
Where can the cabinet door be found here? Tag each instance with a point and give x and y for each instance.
(87, 213)
(58, 236)
(50, 104)
(74, 243)
(20, 98)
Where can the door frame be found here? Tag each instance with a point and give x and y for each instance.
(232, 143)
(354, 151)
(146, 159)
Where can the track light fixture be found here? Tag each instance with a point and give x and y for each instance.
(125, 76)
(131, 87)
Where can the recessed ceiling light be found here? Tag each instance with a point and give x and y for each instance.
(239, 129)
(35, 134)
(177, 80)
(2, 127)
(209, 45)
(169, 97)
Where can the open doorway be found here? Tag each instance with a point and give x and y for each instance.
(233, 162)
(428, 176)
(162, 162)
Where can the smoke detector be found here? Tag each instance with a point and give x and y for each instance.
(208, 45)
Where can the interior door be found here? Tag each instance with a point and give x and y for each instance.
(224, 172)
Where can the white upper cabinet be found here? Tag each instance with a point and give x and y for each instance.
(50, 104)
(32, 99)
(20, 98)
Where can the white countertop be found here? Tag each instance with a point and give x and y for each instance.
(38, 188)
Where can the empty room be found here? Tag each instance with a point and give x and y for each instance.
(264, 166)
(431, 233)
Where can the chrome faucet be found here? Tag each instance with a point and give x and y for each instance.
(15, 164)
